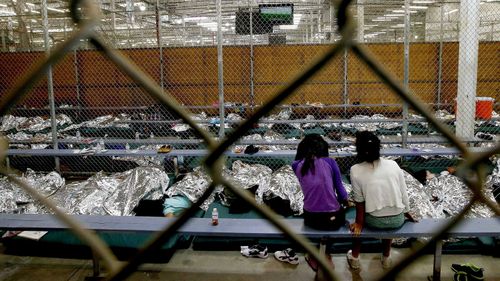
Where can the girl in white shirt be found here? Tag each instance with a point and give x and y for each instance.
(379, 190)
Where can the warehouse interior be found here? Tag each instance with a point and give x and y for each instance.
(95, 139)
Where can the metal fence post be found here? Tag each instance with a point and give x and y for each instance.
(406, 70)
(220, 68)
(440, 59)
(50, 85)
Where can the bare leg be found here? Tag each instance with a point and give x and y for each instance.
(169, 215)
(356, 247)
(386, 247)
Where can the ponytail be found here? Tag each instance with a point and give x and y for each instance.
(311, 147)
(367, 146)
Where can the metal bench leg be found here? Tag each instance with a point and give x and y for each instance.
(96, 265)
(96, 268)
(436, 274)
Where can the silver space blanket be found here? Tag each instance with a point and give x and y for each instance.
(451, 195)
(243, 175)
(284, 184)
(16, 200)
(194, 184)
(116, 194)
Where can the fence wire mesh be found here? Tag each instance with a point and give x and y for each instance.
(264, 78)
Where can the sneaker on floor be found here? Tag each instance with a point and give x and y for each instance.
(473, 272)
(256, 251)
(352, 261)
(386, 261)
(288, 255)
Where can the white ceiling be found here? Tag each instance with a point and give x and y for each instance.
(133, 23)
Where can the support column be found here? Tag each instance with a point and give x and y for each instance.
(361, 21)
(440, 58)
(467, 68)
(4, 46)
(406, 78)
(332, 22)
(220, 67)
(252, 83)
(158, 40)
(50, 85)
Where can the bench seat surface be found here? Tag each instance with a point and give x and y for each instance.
(245, 227)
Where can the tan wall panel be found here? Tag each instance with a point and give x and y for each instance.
(277, 63)
(96, 70)
(236, 66)
(449, 92)
(37, 97)
(237, 94)
(265, 92)
(489, 61)
(389, 55)
(489, 89)
(423, 62)
(148, 60)
(450, 61)
(425, 91)
(195, 95)
(332, 72)
(64, 72)
(324, 94)
(115, 97)
(15, 65)
(188, 66)
(373, 93)
(191, 74)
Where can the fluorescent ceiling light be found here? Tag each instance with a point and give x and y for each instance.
(423, 2)
(394, 15)
(195, 19)
(381, 19)
(56, 10)
(7, 13)
(418, 7)
(451, 12)
(402, 12)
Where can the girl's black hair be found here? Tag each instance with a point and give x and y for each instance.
(367, 146)
(311, 146)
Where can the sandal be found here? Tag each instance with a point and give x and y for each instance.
(165, 148)
(313, 264)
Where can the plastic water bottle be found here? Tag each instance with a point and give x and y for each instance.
(215, 216)
(101, 144)
(127, 146)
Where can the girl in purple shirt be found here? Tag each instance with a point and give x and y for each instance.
(324, 194)
(320, 180)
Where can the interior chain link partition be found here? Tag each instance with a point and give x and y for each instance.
(87, 17)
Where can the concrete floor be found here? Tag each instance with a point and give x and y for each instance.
(225, 265)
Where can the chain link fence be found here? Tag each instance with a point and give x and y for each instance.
(225, 63)
(263, 45)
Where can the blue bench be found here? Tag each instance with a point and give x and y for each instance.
(261, 228)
